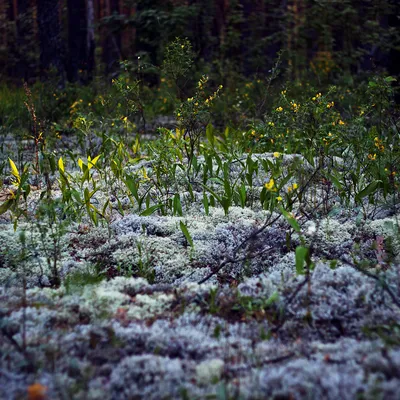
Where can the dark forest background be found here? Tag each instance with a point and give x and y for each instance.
(78, 39)
(70, 52)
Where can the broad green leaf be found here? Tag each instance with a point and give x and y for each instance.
(242, 193)
(210, 134)
(206, 204)
(289, 218)
(335, 181)
(150, 210)
(6, 205)
(76, 196)
(177, 205)
(226, 132)
(369, 189)
(301, 254)
(132, 185)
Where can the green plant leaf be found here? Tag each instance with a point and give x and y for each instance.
(150, 210)
(242, 193)
(185, 231)
(369, 189)
(132, 185)
(206, 203)
(290, 219)
(210, 134)
(301, 254)
(177, 205)
(272, 299)
(6, 206)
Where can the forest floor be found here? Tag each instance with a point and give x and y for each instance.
(144, 311)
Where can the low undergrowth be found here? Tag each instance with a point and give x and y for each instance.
(316, 175)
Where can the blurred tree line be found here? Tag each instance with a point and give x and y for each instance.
(77, 39)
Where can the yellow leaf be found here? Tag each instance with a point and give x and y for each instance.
(93, 162)
(80, 163)
(14, 169)
(61, 164)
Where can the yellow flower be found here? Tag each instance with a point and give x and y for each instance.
(341, 122)
(372, 157)
(277, 154)
(279, 198)
(270, 185)
(271, 123)
(331, 104)
(279, 109)
(295, 186)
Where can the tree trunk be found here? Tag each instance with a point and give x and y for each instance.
(80, 40)
(51, 46)
(90, 42)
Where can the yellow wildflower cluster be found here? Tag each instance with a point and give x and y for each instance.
(277, 154)
(270, 186)
(279, 109)
(203, 80)
(330, 105)
(292, 187)
(74, 106)
(372, 157)
(295, 106)
(329, 139)
(317, 96)
(209, 100)
(392, 173)
(270, 123)
(378, 144)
